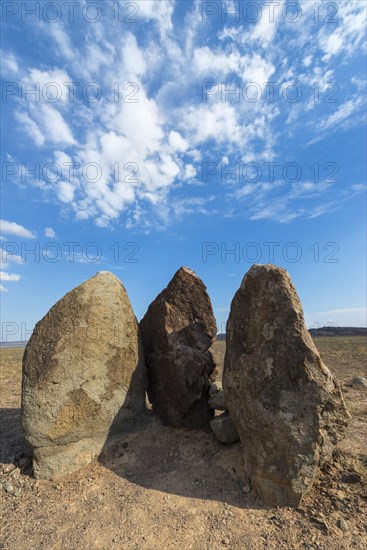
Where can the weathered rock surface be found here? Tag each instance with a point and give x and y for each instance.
(177, 331)
(286, 405)
(224, 429)
(83, 376)
(217, 401)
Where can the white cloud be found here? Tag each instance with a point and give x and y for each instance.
(265, 29)
(80, 258)
(31, 128)
(4, 276)
(53, 124)
(133, 58)
(342, 113)
(322, 209)
(6, 258)
(93, 59)
(159, 11)
(283, 202)
(12, 228)
(349, 35)
(48, 125)
(177, 142)
(51, 84)
(9, 63)
(61, 39)
(50, 233)
(190, 172)
(359, 187)
(349, 114)
(256, 69)
(277, 210)
(331, 44)
(65, 191)
(218, 121)
(193, 205)
(141, 124)
(263, 32)
(206, 61)
(250, 67)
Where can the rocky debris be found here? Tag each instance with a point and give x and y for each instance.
(83, 376)
(287, 407)
(177, 331)
(15, 474)
(8, 468)
(359, 381)
(222, 425)
(15, 478)
(320, 523)
(217, 401)
(224, 429)
(214, 387)
(351, 477)
(9, 488)
(343, 525)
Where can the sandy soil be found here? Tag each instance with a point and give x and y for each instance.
(158, 488)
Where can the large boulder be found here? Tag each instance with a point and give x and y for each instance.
(177, 331)
(287, 407)
(83, 376)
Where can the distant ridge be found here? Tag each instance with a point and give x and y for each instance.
(338, 331)
(17, 344)
(324, 331)
(315, 332)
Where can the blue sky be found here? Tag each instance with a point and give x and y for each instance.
(141, 136)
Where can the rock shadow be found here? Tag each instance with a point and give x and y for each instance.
(13, 445)
(187, 463)
(178, 461)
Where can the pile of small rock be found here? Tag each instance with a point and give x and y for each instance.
(15, 475)
(222, 425)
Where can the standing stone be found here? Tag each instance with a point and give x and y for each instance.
(83, 376)
(177, 331)
(287, 407)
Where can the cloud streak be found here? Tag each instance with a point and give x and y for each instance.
(13, 228)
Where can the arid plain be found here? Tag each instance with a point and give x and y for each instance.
(164, 488)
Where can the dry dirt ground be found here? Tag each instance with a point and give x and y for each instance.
(164, 489)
